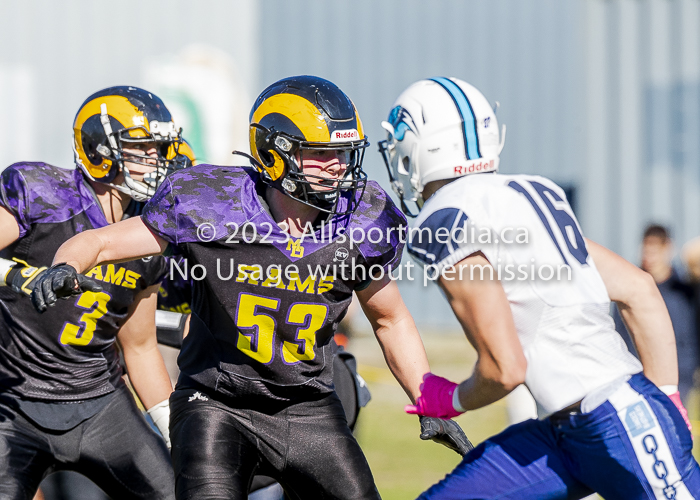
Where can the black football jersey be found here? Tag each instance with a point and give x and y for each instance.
(265, 306)
(67, 353)
(175, 294)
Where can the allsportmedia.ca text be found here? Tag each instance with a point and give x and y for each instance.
(264, 233)
(320, 279)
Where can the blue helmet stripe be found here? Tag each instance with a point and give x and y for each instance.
(464, 108)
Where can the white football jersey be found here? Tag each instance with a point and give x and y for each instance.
(525, 227)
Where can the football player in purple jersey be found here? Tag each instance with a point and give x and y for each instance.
(63, 402)
(273, 273)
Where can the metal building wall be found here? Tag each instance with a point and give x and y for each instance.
(599, 95)
(54, 54)
(643, 120)
(527, 54)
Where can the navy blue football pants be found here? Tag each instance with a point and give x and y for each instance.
(633, 446)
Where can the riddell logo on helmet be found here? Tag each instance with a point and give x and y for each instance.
(482, 166)
(345, 135)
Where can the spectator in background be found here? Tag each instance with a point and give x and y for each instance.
(680, 298)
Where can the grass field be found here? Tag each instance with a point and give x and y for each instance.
(402, 464)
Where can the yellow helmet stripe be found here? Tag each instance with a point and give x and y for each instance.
(119, 108)
(300, 111)
(360, 132)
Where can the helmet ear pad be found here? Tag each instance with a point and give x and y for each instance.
(275, 148)
(92, 137)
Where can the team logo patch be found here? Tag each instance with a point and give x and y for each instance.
(345, 135)
(638, 419)
(295, 248)
(197, 395)
(341, 254)
(402, 121)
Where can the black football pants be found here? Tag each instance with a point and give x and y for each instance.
(307, 447)
(115, 448)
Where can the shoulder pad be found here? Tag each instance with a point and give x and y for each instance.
(203, 195)
(38, 192)
(376, 215)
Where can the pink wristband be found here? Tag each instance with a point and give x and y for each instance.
(436, 398)
(676, 398)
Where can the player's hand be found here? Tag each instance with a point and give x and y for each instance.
(60, 281)
(435, 398)
(23, 278)
(676, 398)
(445, 432)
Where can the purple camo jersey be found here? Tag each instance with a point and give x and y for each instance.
(207, 203)
(36, 192)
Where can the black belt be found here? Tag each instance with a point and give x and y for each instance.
(564, 414)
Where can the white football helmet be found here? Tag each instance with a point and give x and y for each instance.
(440, 128)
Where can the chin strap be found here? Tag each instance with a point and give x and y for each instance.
(256, 164)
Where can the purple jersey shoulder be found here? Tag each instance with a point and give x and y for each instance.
(381, 223)
(196, 203)
(36, 192)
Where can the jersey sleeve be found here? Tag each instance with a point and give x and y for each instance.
(450, 232)
(14, 197)
(383, 229)
(196, 204)
(157, 270)
(160, 213)
(35, 192)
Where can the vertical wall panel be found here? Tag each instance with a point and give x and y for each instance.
(595, 212)
(76, 47)
(629, 117)
(689, 83)
(659, 109)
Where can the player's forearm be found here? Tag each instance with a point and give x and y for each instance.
(397, 334)
(82, 251)
(404, 353)
(121, 242)
(148, 375)
(649, 323)
(482, 389)
(644, 312)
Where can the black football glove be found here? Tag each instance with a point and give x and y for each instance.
(23, 278)
(60, 282)
(445, 432)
